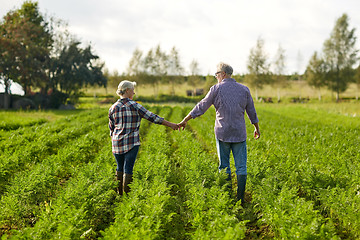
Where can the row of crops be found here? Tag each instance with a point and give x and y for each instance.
(57, 180)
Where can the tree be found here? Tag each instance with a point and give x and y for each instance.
(258, 67)
(357, 81)
(315, 73)
(76, 68)
(194, 78)
(8, 60)
(25, 43)
(40, 53)
(175, 70)
(340, 55)
(279, 71)
(135, 64)
(155, 67)
(160, 62)
(34, 41)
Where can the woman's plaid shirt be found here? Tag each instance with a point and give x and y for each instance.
(124, 122)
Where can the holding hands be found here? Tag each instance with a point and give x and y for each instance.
(171, 125)
(183, 123)
(174, 126)
(180, 126)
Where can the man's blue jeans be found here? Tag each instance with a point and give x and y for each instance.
(239, 153)
(125, 162)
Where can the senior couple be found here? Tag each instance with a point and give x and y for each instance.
(230, 99)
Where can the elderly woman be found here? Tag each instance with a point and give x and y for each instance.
(231, 100)
(124, 122)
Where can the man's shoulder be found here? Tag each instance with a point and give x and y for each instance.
(234, 83)
(243, 86)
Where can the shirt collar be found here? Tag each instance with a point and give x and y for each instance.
(228, 80)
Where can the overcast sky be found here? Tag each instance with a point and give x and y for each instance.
(208, 31)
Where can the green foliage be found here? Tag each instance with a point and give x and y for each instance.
(144, 212)
(212, 211)
(15, 124)
(155, 67)
(340, 55)
(315, 71)
(303, 180)
(40, 143)
(57, 179)
(75, 69)
(163, 98)
(81, 210)
(258, 66)
(28, 50)
(25, 43)
(292, 171)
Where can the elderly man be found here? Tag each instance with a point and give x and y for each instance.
(231, 100)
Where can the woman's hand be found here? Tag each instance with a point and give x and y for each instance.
(173, 126)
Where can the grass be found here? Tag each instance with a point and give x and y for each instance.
(104, 98)
(312, 112)
(143, 90)
(13, 119)
(294, 89)
(351, 109)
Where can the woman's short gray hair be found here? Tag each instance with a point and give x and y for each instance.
(123, 85)
(226, 68)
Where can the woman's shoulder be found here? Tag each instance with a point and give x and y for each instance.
(134, 104)
(115, 104)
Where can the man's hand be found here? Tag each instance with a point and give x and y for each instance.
(257, 131)
(182, 125)
(256, 134)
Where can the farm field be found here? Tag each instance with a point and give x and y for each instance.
(57, 178)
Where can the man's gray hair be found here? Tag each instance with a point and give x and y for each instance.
(226, 68)
(123, 85)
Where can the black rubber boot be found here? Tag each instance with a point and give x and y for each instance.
(228, 179)
(127, 180)
(119, 178)
(241, 183)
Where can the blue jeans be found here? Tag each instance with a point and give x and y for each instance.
(125, 162)
(240, 156)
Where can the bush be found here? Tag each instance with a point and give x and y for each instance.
(163, 98)
(57, 98)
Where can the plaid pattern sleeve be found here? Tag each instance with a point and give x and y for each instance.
(111, 124)
(144, 113)
(124, 124)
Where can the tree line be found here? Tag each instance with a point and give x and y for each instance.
(158, 67)
(335, 68)
(38, 52)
